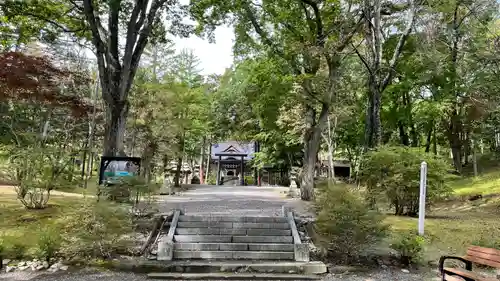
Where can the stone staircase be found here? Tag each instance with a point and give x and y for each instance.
(263, 248)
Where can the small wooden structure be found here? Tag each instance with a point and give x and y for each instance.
(232, 157)
(475, 254)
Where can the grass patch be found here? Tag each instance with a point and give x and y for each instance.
(451, 228)
(25, 225)
(485, 184)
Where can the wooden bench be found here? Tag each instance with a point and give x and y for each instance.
(475, 254)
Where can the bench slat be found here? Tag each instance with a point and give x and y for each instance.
(479, 260)
(453, 278)
(489, 251)
(484, 256)
(468, 274)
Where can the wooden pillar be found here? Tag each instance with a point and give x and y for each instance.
(242, 172)
(217, 180)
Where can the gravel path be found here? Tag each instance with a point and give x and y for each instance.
(382, 275)
(92, 275)
(83, 275)
(231, 200)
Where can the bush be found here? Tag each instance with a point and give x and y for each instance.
(37, 173)
(393, 174)
(409, 246)
(94, 229)
(345, 221)
(249, 180)
(49, 243)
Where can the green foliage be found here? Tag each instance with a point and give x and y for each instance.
(128, 188)
(118, 192)
(409, 246)
(94, 229)
(345, 221)
(49, 243)
(212, 179)
(38, 170)
(392, 174)
(249, 180)
(15, 248)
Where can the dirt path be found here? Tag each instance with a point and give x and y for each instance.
(95, 275)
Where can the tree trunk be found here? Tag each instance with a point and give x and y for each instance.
(429, 139)
(403, 136)
(377, 80)
(312, 142)
(114, 133)
(84, 161)
(373, 130)
(455, 126)
(373, 126)
(456, 147)
(466, 148)
(202, 158)
(90, 169)
(474, 157)
(177, 178)
(147, 158)
(434, 144)
(209, 157)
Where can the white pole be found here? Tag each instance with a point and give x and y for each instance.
(421, 208)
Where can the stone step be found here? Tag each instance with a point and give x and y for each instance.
(203, 238)
(231, 276)
(233, 231)
(246, 225)
(207, 266)
(232, 219)
(236, 255)
(233, 247)
(262, 239)
(232, 239)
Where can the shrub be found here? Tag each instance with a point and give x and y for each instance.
(409, 246)
(249, 180)
(49, 243)
(345, 221)
(393, 174)
(37, 173)
(94, 228)
(116, 192)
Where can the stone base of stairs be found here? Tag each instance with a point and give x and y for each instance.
(229, 266)
(234, 248)
(230, 276)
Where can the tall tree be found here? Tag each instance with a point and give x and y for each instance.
(304, 35)
(138, 22)
(380, 73)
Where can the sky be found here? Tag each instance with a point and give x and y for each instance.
(214, 57)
